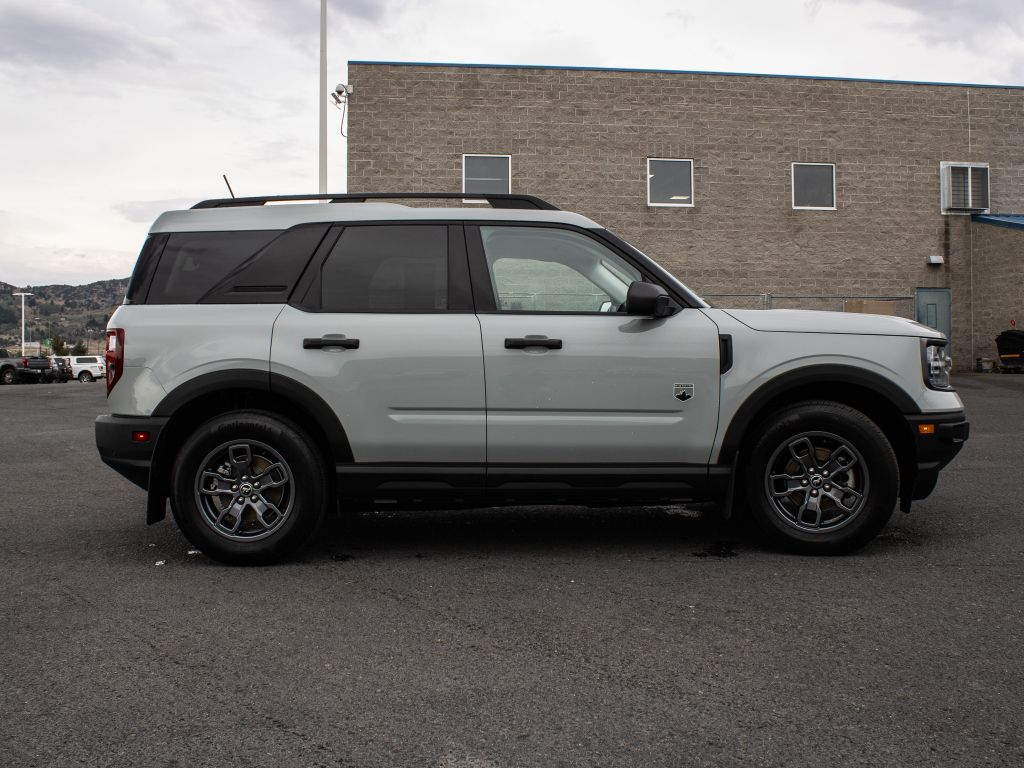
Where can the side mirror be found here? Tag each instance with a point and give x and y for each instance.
(647, 299)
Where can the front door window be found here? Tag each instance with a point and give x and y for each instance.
(540, 269)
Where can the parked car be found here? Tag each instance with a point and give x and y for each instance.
(87, 368)
(24, 369)
(1010, 345)
(61, 369)
(270, 358)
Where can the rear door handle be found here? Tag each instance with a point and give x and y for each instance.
(325, 342)
(533, 341)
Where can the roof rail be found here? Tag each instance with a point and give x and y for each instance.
(496, 200)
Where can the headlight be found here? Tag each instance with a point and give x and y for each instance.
(937, 363)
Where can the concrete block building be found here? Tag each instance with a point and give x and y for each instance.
(755, 190)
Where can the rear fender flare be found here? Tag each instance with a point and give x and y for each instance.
(297, 397)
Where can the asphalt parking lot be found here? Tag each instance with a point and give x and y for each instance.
(536, 637)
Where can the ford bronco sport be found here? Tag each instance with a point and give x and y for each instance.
(270, 360)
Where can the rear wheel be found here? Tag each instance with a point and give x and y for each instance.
(85, 377)
(249, 488)
(821, 478)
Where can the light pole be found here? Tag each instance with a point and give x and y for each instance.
(323, 96)
(23, 295)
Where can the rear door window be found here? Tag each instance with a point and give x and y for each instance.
(401, 268)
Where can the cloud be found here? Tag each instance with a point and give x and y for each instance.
(954, 22)
(152, 101)
(74, 41)
(66, 266)
(145, 211)
(300, 19)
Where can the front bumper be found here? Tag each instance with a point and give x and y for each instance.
(933, 449)
(116, 441)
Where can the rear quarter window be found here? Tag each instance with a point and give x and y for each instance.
(192, 263)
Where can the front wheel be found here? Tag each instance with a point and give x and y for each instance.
(249, 488)
(8, 376)
(821, 478)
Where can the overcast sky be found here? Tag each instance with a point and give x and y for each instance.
(115, 110)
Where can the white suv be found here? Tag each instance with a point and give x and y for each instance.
(87, 368)
(270, 359)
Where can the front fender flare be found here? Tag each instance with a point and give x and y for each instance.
(801, 377)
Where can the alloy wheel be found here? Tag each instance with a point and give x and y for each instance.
(244, 490)
(817, 482)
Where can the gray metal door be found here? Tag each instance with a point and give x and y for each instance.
(598, 386)
(619, 389)
(381, 338)
(934, 309)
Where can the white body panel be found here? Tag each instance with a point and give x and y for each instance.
(412, 392)
(177, 343)
(761, 356)
(812, 321)
(284, 216)
(607, 396)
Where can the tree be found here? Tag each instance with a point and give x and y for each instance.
(59, 347)
(79, 349)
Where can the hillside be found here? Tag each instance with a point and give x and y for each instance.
(73, 312)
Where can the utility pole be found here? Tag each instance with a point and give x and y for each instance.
(323, 97)
(23, 295)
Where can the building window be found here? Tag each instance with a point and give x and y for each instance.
(814, 186)
(669, 182)
(487, 174)
(965, 187)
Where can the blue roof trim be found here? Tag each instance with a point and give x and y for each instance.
(683, 72)
(1011, 220)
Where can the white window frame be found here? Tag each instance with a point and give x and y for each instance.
(484, 154)
(946, 192)
(792, 189)
(693, 193)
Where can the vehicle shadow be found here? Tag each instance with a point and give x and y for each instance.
(542, 530)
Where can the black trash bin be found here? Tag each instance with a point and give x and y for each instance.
(1011, 350)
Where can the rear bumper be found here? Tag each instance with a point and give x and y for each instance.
(121, 451)
(933, 450)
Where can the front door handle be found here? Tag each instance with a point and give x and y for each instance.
(325, 342)
(533, 341)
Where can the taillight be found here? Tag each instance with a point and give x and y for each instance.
(114, 357)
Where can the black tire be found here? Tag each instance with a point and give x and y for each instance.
(85, 377)
(834, 449)
(272, 441)
(8, 376)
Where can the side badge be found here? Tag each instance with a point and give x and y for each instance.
(682, 392)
